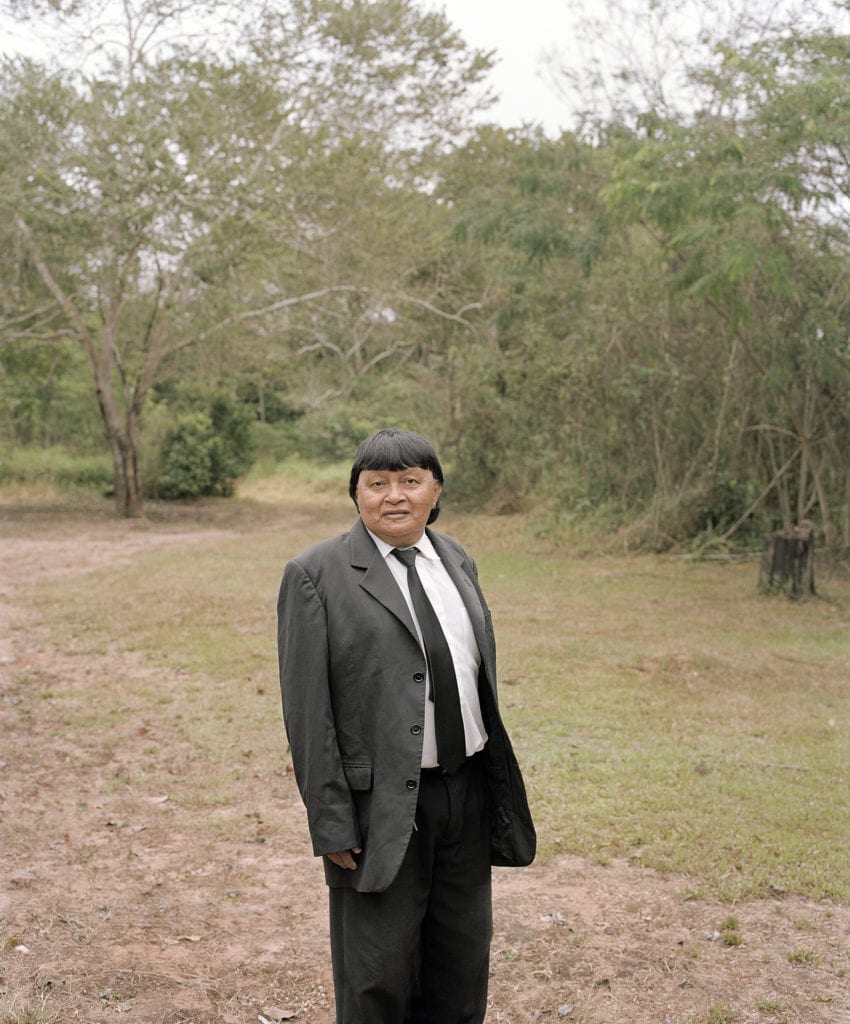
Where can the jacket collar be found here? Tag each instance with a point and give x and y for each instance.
(378, 580)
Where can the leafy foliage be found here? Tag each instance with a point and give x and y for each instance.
(204, 449)
(176, 198)
(642, 323)
(191, 453)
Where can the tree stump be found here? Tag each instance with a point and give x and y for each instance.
(787, 561)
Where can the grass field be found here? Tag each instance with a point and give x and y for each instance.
(664, 711)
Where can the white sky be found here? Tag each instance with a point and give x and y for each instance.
(521, 32)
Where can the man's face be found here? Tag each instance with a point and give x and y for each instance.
(395, 503)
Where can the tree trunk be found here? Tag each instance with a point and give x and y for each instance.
(124, 443)
(125, 471)
(847, 509)
(822, 499)
(123, 438)
(787, 561)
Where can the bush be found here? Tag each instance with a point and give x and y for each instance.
(273, 442)
(189, 454)
(332, 433)
(233, 425)
(204, 453)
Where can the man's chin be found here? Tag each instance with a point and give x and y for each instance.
(401, 532)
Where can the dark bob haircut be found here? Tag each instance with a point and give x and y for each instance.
(394, 449)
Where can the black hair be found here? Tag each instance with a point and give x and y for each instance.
(392, 449)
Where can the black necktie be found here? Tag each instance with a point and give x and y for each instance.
(448, 723)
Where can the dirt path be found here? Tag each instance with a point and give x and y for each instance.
(117, 903)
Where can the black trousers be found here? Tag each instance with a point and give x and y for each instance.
(419, 952)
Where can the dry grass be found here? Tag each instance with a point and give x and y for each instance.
(666, 711)
(668, 717)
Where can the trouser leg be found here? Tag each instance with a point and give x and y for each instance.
(418, 952)
(374, 937)
(457, 928)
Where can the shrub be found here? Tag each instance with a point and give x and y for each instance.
(232, 424)
(203, 453)
(188, 456)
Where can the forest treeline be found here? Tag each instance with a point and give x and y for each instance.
(277, 226)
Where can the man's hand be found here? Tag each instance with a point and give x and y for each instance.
(345, 858)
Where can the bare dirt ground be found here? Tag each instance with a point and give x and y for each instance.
(118, 904)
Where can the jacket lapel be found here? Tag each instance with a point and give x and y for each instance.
(377, 579)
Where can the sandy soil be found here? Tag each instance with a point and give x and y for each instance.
(118, 904)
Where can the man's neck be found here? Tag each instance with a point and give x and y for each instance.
(385, 547)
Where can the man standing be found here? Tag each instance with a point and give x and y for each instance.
(412, 790)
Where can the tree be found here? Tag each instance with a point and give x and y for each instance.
(747, 202)
(665, 317)
(175, 196)
(531, 235)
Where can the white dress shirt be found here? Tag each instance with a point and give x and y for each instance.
(457, 626)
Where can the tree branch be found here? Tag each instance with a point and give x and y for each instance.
(31, 315)
(381, 356)
(454, 317)
(317, 347)
(67, 306)
(777, 476)
(254, 314)
(56, 335)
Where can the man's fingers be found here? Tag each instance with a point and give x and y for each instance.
(345, 859)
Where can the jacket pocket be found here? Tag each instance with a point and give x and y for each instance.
(358, 776)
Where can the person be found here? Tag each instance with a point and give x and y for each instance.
(408, 776)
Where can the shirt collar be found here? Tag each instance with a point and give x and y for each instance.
(426, 548)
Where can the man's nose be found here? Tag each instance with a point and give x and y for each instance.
(396, 492)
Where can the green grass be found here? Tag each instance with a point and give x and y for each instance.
(730, 932)
(804, 958)
(770, 1004)
(56, 467)
(663, 710)
(720, 1014)
(667, 713)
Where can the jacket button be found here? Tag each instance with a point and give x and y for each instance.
(419, 677)
(411, 783)
(416, 729)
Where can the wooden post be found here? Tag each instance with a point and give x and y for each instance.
(787, 561)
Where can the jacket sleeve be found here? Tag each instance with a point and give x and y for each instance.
(308, 713)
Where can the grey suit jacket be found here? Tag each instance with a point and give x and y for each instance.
(352, 679)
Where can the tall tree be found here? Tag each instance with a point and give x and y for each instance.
(175, 194)
(747, 201)
(667, 299)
